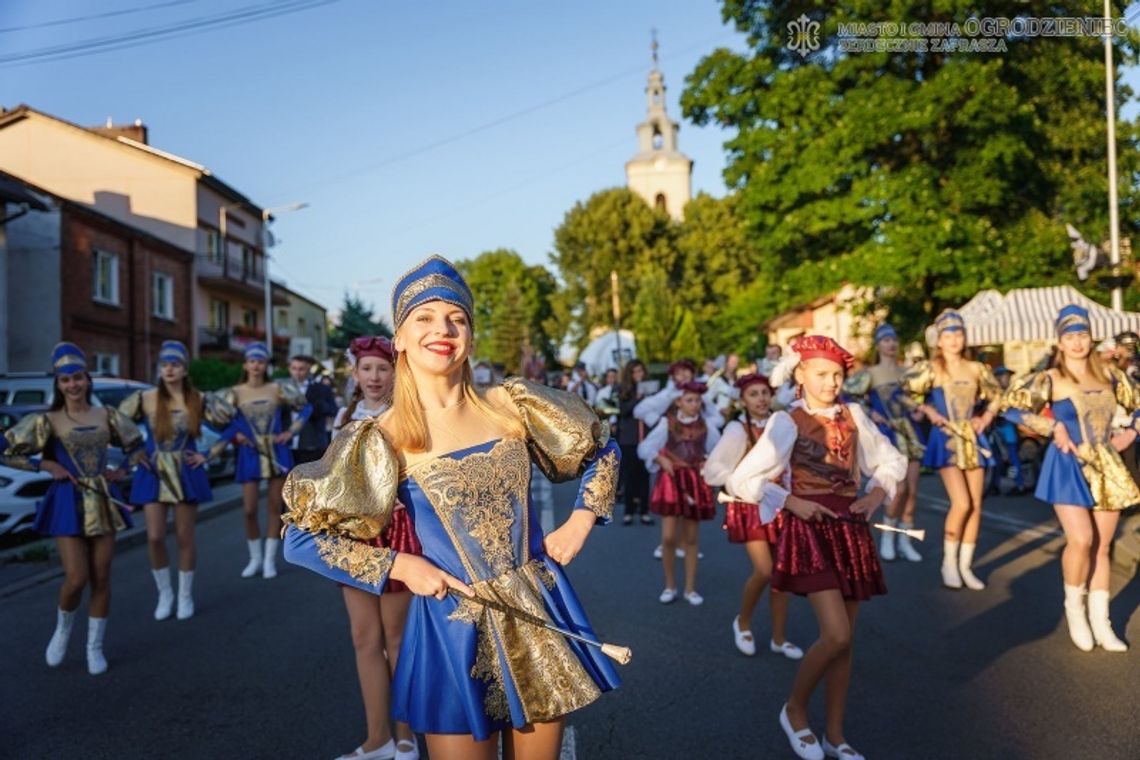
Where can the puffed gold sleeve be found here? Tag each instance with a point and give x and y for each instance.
(29, 437)
(1023, 403)
(132, 407)
(351, 490)
(915, 384)
(858, 385)
(291, 396)
(989, 389)
(126, 435)
(219, 407)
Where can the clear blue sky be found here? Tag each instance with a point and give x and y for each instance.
(332, 106)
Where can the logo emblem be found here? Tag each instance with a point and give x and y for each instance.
(803, 35)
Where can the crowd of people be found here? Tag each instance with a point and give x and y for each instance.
(412, 494)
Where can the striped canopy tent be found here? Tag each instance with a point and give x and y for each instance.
(1028, 314)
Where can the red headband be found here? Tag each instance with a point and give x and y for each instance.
(683, 364)
(821, 347)
(742, 383)
(372, 345)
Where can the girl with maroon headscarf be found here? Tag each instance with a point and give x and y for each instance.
(808, 464)
(677, 446)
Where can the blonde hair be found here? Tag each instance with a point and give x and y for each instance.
(408, 423)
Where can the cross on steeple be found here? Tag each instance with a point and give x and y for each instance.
(653, 46)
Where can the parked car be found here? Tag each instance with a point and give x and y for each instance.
(19, 492)
(35, 388)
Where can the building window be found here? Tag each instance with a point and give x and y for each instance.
(249, 318)
(248, 262)
(219, 314)
(301, 326)
(163, 295)
(107, 364)
(659, 202)
(214, 253)
(106, 288)
(658, 139)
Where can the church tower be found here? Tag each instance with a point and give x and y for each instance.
(659, 172)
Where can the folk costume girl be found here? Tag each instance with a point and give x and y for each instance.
(377, 622)
(879, 388)
(258, 407)
(677, 446)
(174, 475)
(1083, 476)
(742, 521)
(948, 390)
(82, 508)
(460, 460)
(808, 464)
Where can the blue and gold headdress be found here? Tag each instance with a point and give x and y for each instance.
(67, 359)
(885, 331)
(174, 351)
(1073, 318)
(434, 279)
(257, 351)
(949, 321)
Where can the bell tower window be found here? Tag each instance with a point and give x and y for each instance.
(659, 202)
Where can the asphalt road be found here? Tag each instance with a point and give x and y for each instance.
(265, 669)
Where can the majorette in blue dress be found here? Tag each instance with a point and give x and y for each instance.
(463, 668)
(955, 444)
(260, 418)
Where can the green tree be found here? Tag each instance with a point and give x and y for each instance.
(500, 280)
(928, 175)
(613, 230)
(356, 319)
(509, 330)
(652, 316)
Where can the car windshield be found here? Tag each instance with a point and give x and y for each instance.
(113, 395)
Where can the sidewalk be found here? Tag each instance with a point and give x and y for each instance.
(36, 562)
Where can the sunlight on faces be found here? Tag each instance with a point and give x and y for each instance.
(171, 372)
(1075, 345)
(689, 404)
(374, 376)
(888, 347)
(255, 368)
(757, 399)
(73, 386)
(821, 380)
(952, 342)
(435, 338)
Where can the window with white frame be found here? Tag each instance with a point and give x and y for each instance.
(219, 314)
(163, 295)
(107, 364)
(106, 285)
(214, 253)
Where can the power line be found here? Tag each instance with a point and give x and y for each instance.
(94, 16)
(246, 15)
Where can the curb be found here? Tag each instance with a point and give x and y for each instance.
(127, 539)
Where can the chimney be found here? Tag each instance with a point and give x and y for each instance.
(136, 131)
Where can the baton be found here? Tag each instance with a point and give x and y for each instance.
(918, 534)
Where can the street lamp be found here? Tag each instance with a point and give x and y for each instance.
(1110, 109)
(266, 218)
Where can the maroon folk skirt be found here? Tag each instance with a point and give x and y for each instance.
(742, 524)
(682, 493)
(401, 536)
(817, 556)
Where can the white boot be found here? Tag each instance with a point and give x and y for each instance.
(887, 542)
(57, 647)
(951, 578)
(185, 594)
(1101, 625)
(965, 560)
(1077, 618)
(906, 548)
(254, 558)
(96, 662)
(270, 568)
(165, 593)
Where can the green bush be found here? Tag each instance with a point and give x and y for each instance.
(212, 374)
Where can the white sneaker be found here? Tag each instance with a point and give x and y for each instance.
(657, 552)
(386, 751)
(788, 649)
(680, 553)
(693, 598)
(798, 739)
(844, 751)
(407, 749)
(744, 641)
(667, 596)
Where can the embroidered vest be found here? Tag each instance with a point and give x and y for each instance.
(824, 458)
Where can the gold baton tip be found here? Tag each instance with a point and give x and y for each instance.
(620, 655)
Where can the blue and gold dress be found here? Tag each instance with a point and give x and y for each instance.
(260, 419)
(464, 668)
(1096, 477)
(955, 444)
(879, 389)
(67, 509)
(169, 479)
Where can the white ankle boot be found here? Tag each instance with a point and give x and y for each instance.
(887, 542)
(1078, 618)
(1101, 625)
(165, 593)
(269, 570)
(254, 565)
(96, 662)
(906, 548)
(951, 577)
(965, 560)
(185, 594)
(57, 647)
